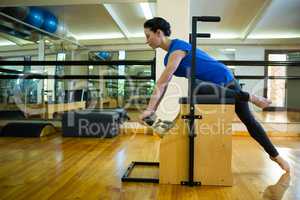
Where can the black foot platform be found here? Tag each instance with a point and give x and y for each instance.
(126, 177)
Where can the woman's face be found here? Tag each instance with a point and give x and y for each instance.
(153, 39)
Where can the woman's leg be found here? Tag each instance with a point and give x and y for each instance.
(259, 101)
(242, 110)
(231, 90)
(219, 91)
(254, 128)
(258, 133)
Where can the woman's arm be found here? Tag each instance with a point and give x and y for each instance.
(163, 81)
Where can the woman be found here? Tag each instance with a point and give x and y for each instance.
(215, 74)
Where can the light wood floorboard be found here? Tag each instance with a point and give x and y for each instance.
(90, 168)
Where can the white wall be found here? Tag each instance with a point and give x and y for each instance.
(177, 13)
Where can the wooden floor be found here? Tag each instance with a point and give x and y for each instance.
(85, 168)
(279, 116)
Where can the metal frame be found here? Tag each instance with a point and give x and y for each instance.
(126, 178)
(78, 62)
(15, 74)
(261, 63)
(145, 62)
(40, 76)
(191, 117)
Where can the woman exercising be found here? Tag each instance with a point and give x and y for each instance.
(210, 75)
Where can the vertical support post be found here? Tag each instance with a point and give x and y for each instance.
(191, 86)
(191, 92)
(192, 105)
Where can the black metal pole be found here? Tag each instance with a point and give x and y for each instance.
(130, 63)
(199, 35)
(191, 103)
(191, 117)
(193, 40)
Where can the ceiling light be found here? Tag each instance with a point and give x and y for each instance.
(224, 36)
(6, 43)
(229, 50)
(273, 36)
(146, 10)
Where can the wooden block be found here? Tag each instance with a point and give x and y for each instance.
(213, 145)
(212, 160)
(173, 157)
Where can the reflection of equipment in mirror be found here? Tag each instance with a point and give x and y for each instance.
(35, 16)
(23, 25)
(27, 101)
(104, 55)
(33, 129)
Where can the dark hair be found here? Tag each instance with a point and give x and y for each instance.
(158, 23)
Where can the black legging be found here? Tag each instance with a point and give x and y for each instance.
(242, 110)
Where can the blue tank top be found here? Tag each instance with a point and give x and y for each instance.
(207, 68)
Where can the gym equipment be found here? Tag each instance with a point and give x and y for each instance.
(212, 147)
(11, 114)
(102, 103)
(32, 129)
(89, 123)
(51, 109)
(123, 115)
(27, 91)
(186, 146)
(74, 95)
(212, 153)
(35, 17)
(160, 127)
(105, 55)
(50, 22)
(45, 110)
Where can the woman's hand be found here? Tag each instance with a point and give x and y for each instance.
(145, 113)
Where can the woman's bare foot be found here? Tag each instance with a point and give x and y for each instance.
(259, 101)
(281, 162)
